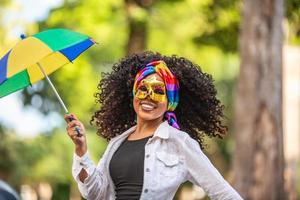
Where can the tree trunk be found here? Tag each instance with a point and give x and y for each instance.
(137, 17)
(258, 159)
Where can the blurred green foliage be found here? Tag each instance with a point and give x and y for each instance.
(204, 31)
(293, 17)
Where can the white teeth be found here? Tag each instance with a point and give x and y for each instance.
(147, 107)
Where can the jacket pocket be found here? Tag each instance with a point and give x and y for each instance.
(168, 164)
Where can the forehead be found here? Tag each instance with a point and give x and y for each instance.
(157, 77)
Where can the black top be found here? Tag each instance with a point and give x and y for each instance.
(127, 169)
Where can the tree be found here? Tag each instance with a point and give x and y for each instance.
(258, 159)
(137, 12)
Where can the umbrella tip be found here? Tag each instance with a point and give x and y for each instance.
(22, 36)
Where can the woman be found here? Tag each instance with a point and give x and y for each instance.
(154, 112)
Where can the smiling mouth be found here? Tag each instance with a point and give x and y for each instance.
(147, 106)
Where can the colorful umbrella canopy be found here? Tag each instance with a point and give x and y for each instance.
(50, 49)
(33, 58)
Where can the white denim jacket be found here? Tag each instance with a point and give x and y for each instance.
(171, 158)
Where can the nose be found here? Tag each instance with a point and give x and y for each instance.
(149, 94)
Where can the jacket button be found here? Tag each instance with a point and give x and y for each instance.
(147, 170)
(146, 190)
(147, 156)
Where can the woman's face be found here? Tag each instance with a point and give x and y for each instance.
(148, 109)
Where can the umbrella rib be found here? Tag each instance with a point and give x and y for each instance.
(52, 86)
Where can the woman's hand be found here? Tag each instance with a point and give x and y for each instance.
(79, 141)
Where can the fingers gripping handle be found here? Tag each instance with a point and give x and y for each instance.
(76, 128)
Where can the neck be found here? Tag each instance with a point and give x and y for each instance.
(147, 127)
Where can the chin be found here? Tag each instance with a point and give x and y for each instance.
(148, 116)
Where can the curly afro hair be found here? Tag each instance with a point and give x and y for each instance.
(198, 113)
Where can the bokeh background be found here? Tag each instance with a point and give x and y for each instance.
(35, 152)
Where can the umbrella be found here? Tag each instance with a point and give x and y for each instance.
(37, 56)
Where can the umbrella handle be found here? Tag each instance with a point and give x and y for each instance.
(76, 128)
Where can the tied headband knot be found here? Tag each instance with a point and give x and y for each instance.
(172, 120)
(171, 83)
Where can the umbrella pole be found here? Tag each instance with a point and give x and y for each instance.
(52, 86)
(58, 97)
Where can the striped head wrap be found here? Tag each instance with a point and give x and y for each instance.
(171, 83)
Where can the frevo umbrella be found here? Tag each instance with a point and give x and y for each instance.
(37, 56)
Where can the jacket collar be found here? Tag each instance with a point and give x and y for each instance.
(162, 130)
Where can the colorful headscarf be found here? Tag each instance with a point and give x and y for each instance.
(172, 87)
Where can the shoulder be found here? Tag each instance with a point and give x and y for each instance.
(176, 134)
(182, 138)
(179, 137)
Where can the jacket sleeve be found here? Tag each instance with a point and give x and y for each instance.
(95, 186)
(201, 172)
